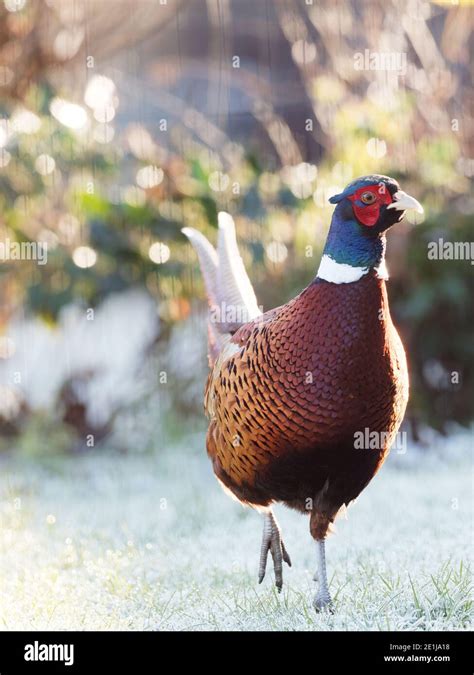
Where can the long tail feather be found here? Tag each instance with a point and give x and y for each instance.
(208, 261)
(236, 296)
(231, 296)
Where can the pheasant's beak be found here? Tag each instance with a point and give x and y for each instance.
(403, 202)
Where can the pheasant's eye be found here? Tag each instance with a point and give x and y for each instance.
(368, 197)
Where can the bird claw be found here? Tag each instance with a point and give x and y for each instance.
(322, 602)
(272, 541)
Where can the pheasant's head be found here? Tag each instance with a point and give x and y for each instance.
(365, 210)
(375, 202)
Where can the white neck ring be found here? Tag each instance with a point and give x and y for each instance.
(341, 273)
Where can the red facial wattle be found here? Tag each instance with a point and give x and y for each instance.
(368, 214)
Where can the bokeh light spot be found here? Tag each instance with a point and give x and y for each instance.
(276, 252)
(69, 114)
(84, 257)
(159, 253)
(45, 165)
(149, 177)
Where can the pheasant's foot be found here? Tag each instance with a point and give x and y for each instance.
(272, 541)
(322, 600)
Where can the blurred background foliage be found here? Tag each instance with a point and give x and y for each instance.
(119, 128)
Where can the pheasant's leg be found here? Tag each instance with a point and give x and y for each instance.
(322, 599)
(272, 541)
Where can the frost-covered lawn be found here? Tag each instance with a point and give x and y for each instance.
(108, 542)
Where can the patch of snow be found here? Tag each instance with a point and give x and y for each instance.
(104, 349)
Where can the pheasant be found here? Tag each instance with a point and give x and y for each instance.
(290, 390)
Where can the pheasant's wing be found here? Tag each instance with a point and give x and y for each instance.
(232, 345)
(247, 423)
(258, 398)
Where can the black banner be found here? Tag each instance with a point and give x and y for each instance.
(72, 652)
